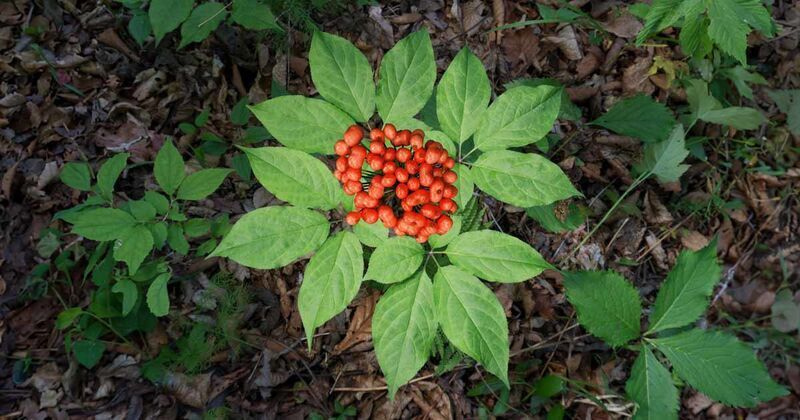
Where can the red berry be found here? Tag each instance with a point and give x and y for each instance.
(341, 148)
(369, 215)
(388, 180)
(412, 167)
(389, 154)
(419, 155)
(450, 163)
(401, 191)
(401, 174)
(431, 211)
(341, 164)
(389, 131)
(389, 167)
(352, 218)
(448, 205)
(377, 147)
(419, 197)
(353, 135)
(432, 156)
(416, 140)
(375, 163)
(403, 138)
(376, 191)
(376, 135)
(413, 184)
(403, 155)
(450, 191)
(425, 179)
(450, 177)
(353, 174)
(352, 187)
(437, 190)
(443, 224)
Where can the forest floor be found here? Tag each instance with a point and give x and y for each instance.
(77, 87)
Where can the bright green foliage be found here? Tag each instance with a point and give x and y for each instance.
(133, 246)
(521, 179)
(254, 15)
(740, 77)
(129, 292)
(167, 15)
(395, 260)
(520, 116)
(309, 125)
(342, 75)
(640, 117)
(372, 235)
(464, 184)
(651, 387)
(720, 366)
(404, 326)
(103, 224)
(331, 281)
(495, 256)
(295, 177)
(726, 23)
(108, 174)
(168, 168)
(462, 96)
(684, 295)
(472, 319)
(77, 176)
(407, 75)
(567, 110)
(664, 159)
(205, 18)
(202, 183)
(272, 237)
(157, 296)
(608, 306)
(176, 238)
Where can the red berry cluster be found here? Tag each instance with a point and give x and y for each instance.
(410, 175)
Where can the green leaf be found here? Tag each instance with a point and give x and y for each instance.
(108, 174)
(755, 14)
(728, 30)
(309, 125)
(254, 15)
(684, 295)
(194, 228)
(133, 247)
(546, 217)
(130, 294)
(639, 116)
(720, 366)
(204, 19)
(331, 281)
(67, 317)
(240, 115)
(372, 235)
(521, 179)
(88, 352)
(272, 237)
(168, 168)
(77, 176)
(157, 295)
(407, 75)
(396, 259)
(495, 256)
(142, 210)
(342, 75)
(403, 329)
(177, 240)
(788, 102)
(607, 305)
(295, 177)
(651, 387)
(664, 159)
(739, 117)
(694, 38)
(472, 319)
(159, 232)
(103, 224)
(520, 116)
(167, 15)
(567, 110)
(202, 183)
(158, 201)
(662, 14)
(462, 96)
(464, 185)
(740, 77)
(139, 26)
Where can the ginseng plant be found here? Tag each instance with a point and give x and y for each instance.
(403, 188)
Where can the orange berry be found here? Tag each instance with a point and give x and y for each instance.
(450, 177)
(376, 191)
(403, 155)
(341, 148)
(369, 215)
(389, 131)
(375, 163)
(443, 224)
(388, 180)
(416, 141)
(353, 135)
(450, 163)
(352, 218)
(432, 156)
(389, 167)
(377, 147)
(450, 191)
(351, 187)
(437, 190)
(389, 154)
(352, 174)
(401, 191)
(431, 211)
(341, 164)
(412, 167)
(414, 184)
(401, 174)
(376, 135)
(448, 205)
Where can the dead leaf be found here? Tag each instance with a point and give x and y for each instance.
(654, 211)
(190, 390)
(697, 403)
(360, 329)
(624, 26)
(567, 42)
(635, 78)
(694, 240)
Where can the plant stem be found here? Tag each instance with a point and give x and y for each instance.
(633, 186)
